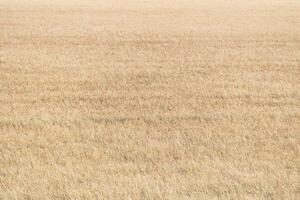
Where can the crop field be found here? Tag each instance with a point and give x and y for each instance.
(149, 99)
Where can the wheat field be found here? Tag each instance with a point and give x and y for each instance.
(149, 99)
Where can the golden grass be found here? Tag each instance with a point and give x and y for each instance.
(149, 99)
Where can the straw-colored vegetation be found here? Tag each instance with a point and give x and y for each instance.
(149, 99)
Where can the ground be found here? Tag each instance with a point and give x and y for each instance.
(152, 99)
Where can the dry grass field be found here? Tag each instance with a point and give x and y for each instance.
(149, 99)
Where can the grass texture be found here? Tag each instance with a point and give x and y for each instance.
(149, 99)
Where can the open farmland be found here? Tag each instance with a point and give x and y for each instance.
(149, 99)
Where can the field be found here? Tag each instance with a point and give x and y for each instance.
(149, 99)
